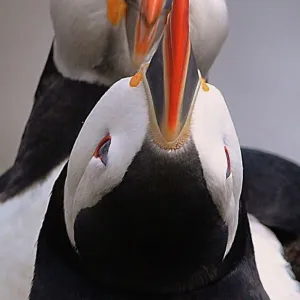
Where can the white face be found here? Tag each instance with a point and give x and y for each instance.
(212, 131)
(123, 114)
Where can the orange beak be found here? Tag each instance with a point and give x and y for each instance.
(174, 65)
(151, 10)
(146, 29)
(145, 25)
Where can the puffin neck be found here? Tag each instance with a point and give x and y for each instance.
(103, 66)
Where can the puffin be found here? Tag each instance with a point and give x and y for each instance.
(95, 44)
(148, 205)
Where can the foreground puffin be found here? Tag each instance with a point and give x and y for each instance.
(96, 44)
(89, 53)
(148, 206)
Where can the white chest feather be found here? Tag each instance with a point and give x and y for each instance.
(275, 273)
(20, 222)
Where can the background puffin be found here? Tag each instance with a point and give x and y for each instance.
(148, 206)
(60, 108)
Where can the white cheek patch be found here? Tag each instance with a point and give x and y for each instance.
(123, 113)
(212, 129)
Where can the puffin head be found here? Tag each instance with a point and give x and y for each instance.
(151, 196)
(103, 41)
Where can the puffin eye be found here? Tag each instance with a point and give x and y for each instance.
(101, 151)
(228, 171)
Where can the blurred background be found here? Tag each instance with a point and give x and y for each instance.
(257, 71)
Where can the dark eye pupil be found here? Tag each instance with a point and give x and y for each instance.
(103, 151)
(104, 148)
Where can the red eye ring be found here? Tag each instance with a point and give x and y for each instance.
(103, 141)
(228, 171)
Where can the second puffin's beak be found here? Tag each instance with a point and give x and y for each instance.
(145, 21)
